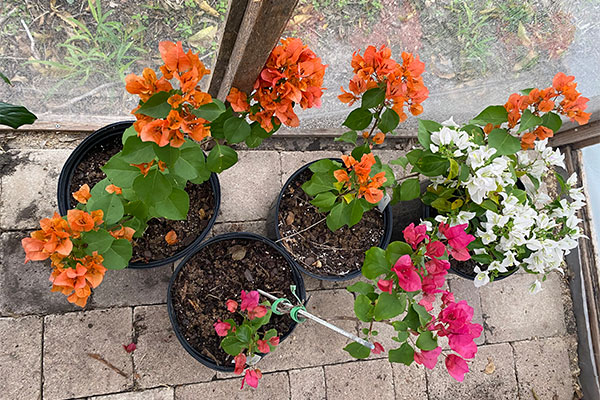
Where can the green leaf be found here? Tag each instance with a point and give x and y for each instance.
(324, 201)
(489, 205)
(358, 119)
(375, 263)
(15, 116)
(236, 130)
(320, 182)
(465, 171)
(424, 316)
(259, 131)
(209, 111)
(389, 121)
(110, 204)
(5, 79)
(355, 210)
(411, 319)
(426, 341)
(118, 255)
(405, 354)
(271, 333)
(220, 158)
(525, 92)
(253, 141)
(373, 98)
(363, 308)
(389, 306)
(324, 165)
(156, 106)
(243, 333)
(137, 209)
(528, 121)
(232, 345)
(153, 187)
(454, 169)
(359, 151)
(191, 162)
(349, 137)
(432, 165)
(167, 154)
(403, 161)
(395, 250)
(216, 126)
(361, 287)
(357, 350)
(504, 142)
(136, 152)
(175, 206)
(99, 241)
(552, 120)
(482, 258)
(426, 127)
(410, 189)
(120, 172)
(495, 115)
(129, 132)
(337, 217)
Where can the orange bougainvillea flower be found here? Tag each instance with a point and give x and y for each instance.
(379, 138)
(146, 85)
(77, 282)
(349, 161)
(363, 168)
(238, 100)
(341, 175)
(80, 221)
(113, 189)
(83, 194)
(124, 232)
(171, 238)
(144, 167)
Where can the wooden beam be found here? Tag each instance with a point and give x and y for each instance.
(579, 137)
(259, 31)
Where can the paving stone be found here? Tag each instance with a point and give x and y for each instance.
(258, 227)
(159, 358)
(500, 384)
(271, 387)
(25, 288)
(464, 289)
(29, 192)
(312, 344)
(69, 339)
(250, 186)
(409, 382)
(311, 283)
(131, 287)
(360, 380)
(291, 161)
(308, 384)
(151, 394)
(543, 366)
(343, 284)
(20, 357)
(511, 313)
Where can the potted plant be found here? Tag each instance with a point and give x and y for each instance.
(406, 280)
(326, 214)
(202, 289)
(163, 151)
(497, 174)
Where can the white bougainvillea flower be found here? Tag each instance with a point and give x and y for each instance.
(482, 278)
(535, 287)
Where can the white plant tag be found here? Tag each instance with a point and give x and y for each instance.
(384, 202)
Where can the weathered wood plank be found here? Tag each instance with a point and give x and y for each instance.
(578, 137)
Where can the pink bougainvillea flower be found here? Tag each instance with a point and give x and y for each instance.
(232, 305)
(129, 347)
(251, 378)
(378, 348)
(415, 235)
(458, 240)
(222, 327)
(385, 285)
(435, 249)
(257, 312)
(408, 278)
(457, 367)
(464, 344)
(274, 341)
(249, 300)
(240, 363)
(447, 298)
(428, 358)
(263, 346)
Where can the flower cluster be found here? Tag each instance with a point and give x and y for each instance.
(538, 101)
(411, 285)
(242, 341)
(357, 177)
(74, 272)
(188, 70)
(402, 82)
(292, 75)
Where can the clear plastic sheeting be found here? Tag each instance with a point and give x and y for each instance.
(476, 53)
(67, 59)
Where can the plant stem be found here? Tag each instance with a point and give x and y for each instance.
(303, 230)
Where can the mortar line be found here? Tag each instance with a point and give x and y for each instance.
(133, 371)
(426, 384)
(42, 358)
(515, 368)
(393, 379)
(325, 381)
(289, 384)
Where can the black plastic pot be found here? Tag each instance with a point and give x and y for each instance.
(273, 229)
(106, 134)
(430, 212)
(298, 281)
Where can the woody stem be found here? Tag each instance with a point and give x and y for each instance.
(377, 117)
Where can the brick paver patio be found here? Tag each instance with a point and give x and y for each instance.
(526, 352)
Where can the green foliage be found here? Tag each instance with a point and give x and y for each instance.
(15, 116)
(372, 98)
(220, 158)
(504, 142)
(495, 115)
(389, 121)
(404, 355)
(358, 119)
(156, 106)
(357, 350)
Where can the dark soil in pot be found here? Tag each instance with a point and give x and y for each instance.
(218, 272)
(152, 245)
(319, 250)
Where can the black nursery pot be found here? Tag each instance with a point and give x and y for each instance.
(275, 234)
(107, 134)
(296, 276)
(455, 266)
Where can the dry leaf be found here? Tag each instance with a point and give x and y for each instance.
(237, 252)
(203, 37)
(171, 238)
(318, 264)
(202, 213)
(290, 218)
(300, 19)
(490, 367)
(204, 6)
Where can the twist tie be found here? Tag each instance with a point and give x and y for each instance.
(276, 303)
